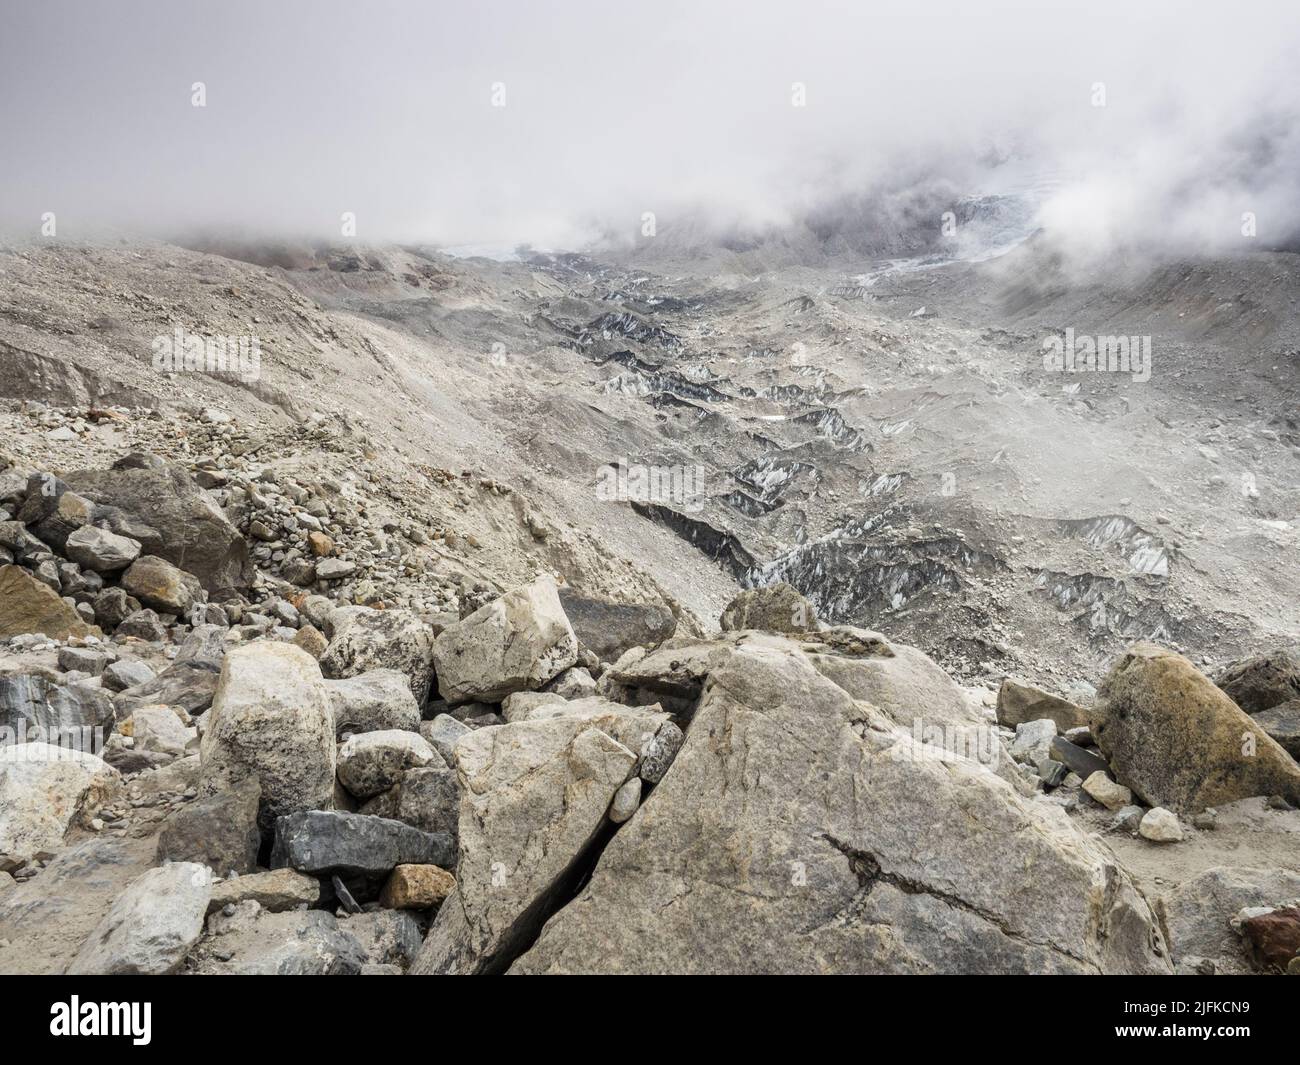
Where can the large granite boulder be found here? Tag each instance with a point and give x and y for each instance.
(364, 640)
(515, 643)
(44, 791)
(1180, 742)
(534, 796)
(801, 830)
(271, 720)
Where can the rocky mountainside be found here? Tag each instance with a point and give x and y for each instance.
(373, 610)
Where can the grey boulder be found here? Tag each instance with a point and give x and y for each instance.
(856, 849)
(515, 643)
(331, 841)
(152, 925)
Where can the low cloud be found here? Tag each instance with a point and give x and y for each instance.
(1149, 126)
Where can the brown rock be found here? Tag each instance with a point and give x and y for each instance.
(159, 584)
(311, 640)
(27, 605)
(776, 608)
(1018, 703)
(1178, 741)
(1274, 938)
(416, 887)
(320, 544)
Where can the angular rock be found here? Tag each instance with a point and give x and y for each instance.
(100, 550)
(1160, 826)
(334, 569)
(205, 644)
(44, 790)
(127, 673)
(1111, 795)
(363, 640)
(515, 643)
(257, 942)
(1078, 760)
(271, 720)
(855, 850)
(427, 799)
(219, 831)
(416, 887)
(84, 660)
(373, 701)
(142, 625)
(534, 795)
(387, 937)
(777, 608)
(609, 629)
(27, 605)
(190, 683)
(1033, 740)
(1018, 703)
(53, 512)
(160, 585)
(329, 841)
(160, 729)
(376, 761)
(520, 705)
(1180, 742)
(152, 925)
(444, 732)
(276, 891)
(573, 683)
(113, 606)
(1263, 681)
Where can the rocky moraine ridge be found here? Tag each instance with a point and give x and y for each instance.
(350, 667)
(218, 760)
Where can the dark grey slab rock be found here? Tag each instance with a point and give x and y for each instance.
(1077, 759)
(329, 841)
(607, 629)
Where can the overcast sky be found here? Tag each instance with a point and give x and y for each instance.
(385, 109)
